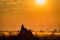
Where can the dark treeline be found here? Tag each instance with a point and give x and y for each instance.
(25, 34)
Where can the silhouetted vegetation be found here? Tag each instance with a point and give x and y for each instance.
(25, 34)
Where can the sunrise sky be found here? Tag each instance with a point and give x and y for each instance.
(35, 16)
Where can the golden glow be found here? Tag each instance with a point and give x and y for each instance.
(40, 1)
(34, 14)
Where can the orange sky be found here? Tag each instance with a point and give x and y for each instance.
(27, 12)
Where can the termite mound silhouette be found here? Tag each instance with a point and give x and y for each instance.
(25, 34)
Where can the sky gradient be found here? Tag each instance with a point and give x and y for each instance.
(36, 17)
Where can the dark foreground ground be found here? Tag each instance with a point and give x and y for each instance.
(25, 34)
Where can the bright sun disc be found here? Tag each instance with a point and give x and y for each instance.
(40, 1)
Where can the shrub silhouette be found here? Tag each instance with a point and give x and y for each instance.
(25, 34)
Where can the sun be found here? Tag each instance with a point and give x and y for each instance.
(40, 1)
